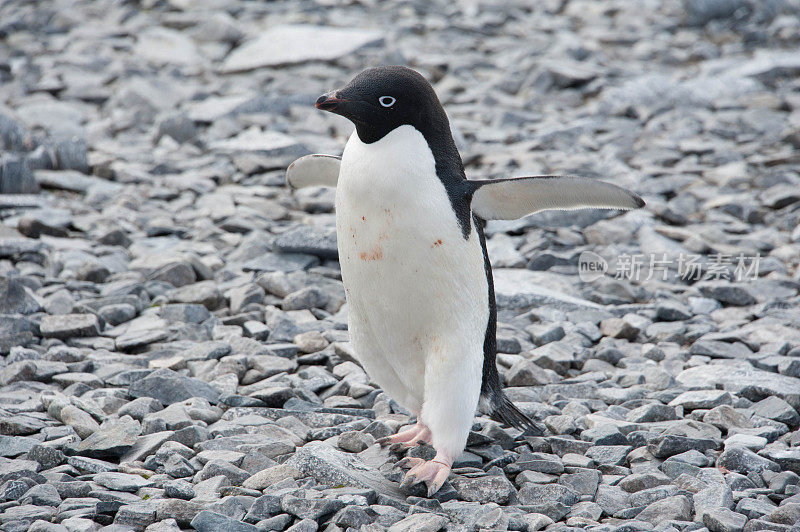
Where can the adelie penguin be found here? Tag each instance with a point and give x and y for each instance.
(417, 277)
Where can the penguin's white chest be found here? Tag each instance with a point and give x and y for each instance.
(416, 288)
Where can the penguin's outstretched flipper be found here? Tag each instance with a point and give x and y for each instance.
(509, 199)
(315, 170)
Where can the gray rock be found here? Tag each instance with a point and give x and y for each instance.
(670, 445)
(651, 495)
(269, 476)
(786, 514)
(177, 126)
(72, 180)
(83, 423)
(182, 511)
(139, 408)
(112, 439)
(352, 516)
(355, 441)
(47, 457)
(204, 293)
(651, 413)
(277, 523)
(41, 495)
(13, 446)
(788, 460)
(532, 493)
(672, 311)
(705, 399)
(306, 298)
(16, 176)
(169, 387)
(16, 298)
(207, 521)
(215, 468)
(677, 507)
(736, 376)
(309, 240)
(727, 293)
(16, 330)
(516, 288)
(726, 417)
(137, 515)
(642, 481)
(165, 525)
(178, 489)
(24, 515)
(116, 314)
(584, 482)
(754, 508)
(423, 522)
(716, 349)
(335, 468)
(713, 497)
(69, 326)
(744, 461)
(609, 454)
(701, 12)
(281, 45)
(306, 508)
(286, 262)
(305, 525)
(776, 408)
(122, 481)
(724, 520)
(276, 147)
(485, 489)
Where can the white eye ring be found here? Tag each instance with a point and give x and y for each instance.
(386, 101)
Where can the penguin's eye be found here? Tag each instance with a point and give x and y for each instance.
(386, 101)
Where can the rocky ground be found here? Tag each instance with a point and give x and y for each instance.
(172, 322)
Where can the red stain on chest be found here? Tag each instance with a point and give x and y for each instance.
(437, 243)
(375, 254)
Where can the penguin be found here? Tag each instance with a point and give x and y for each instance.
(418, 281)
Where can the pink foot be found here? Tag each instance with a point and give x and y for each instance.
(409, 437)
(433, 473)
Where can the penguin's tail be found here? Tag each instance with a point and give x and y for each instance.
(504, 411)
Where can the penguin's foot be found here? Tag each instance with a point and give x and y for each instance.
(409, 437)
(433, 473)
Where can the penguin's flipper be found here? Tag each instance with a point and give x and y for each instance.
(509, 199)
(314, 170)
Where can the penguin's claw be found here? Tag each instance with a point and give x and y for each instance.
(432, 473)
(409, 462)
(408, 438)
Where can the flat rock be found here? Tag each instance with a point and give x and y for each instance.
(677, 507)
(515, 288)
(281, 45)
(309, 240)
(170, 387)
(269, 143)
(122, 481)
(705, 399)
(208, 521)
(735, 376)
(112, 439)
(69, 326)
(336, 468)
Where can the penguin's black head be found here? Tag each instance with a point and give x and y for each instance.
(380, 99)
